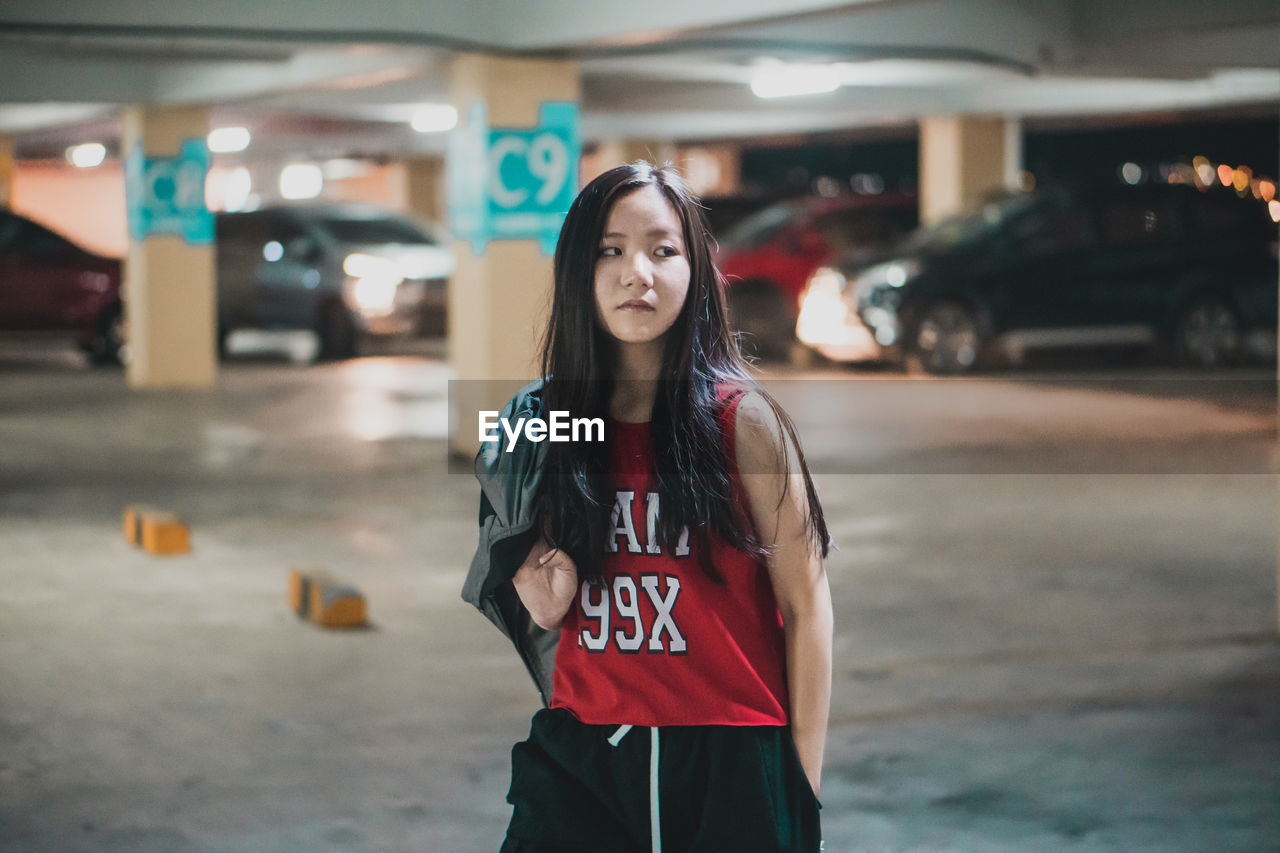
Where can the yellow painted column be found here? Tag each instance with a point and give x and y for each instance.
(962, 159)
(8, 168)
(170, 284)
(499, 300)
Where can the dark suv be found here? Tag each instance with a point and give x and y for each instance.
(344, 271)
(50, 287)
(1165, 265)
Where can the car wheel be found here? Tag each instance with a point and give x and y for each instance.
(339, 337)
(107, 346)
(1208, 334)
(947, 339)
(764, 319)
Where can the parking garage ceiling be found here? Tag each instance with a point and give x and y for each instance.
(348, 76)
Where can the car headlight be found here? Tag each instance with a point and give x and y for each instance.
(360, 265)
(826, 280)
(373, 284)
(374, 297)
(823, 311)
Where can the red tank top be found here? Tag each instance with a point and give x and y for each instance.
(661, 643)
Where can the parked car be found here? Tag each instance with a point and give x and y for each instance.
(769, 256)
(1164, 265)
(344, 271)
(51, 287)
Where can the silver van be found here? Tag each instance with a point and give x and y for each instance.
(343, 271)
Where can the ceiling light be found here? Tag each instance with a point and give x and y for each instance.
(918, 72)
(228, 140)
(778, 80)
(434, 118)
(301, 180)
(783, 81)
(87, 156)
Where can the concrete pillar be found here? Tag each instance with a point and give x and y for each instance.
(170, 284)
(8, 168)
(499, 300)
(424, 187)
(963, 158)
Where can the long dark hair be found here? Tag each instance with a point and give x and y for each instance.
(699, 355)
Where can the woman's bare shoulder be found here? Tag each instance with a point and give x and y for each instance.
(759, 437)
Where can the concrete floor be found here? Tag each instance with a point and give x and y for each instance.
(1055, 601)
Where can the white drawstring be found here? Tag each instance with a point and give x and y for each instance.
(655, 814)
(655, 820)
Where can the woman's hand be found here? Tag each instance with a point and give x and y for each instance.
(547, 582)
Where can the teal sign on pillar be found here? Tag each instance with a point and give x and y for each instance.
(165, 195)
(513, 183)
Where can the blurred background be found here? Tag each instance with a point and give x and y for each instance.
(1012, 268)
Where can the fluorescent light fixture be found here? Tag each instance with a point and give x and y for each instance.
(919, 72)
(301, 180)
(784, 81)
(228, 140)
(1241, 80)
(87, 156)
(771, 78)
(434, 118)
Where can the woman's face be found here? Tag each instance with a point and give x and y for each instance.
(642, 270)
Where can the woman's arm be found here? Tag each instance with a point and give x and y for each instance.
(546, 582)
(779, 509)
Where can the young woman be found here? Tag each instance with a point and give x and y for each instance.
(676, 566)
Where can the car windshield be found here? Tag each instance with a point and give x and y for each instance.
(969, 227)
(757, 228)
(374, 230)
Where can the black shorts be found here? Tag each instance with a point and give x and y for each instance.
(578, 788)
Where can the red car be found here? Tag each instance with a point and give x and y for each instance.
(769, 256)
(50, 287)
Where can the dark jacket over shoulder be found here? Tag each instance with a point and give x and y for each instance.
(508, 487)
